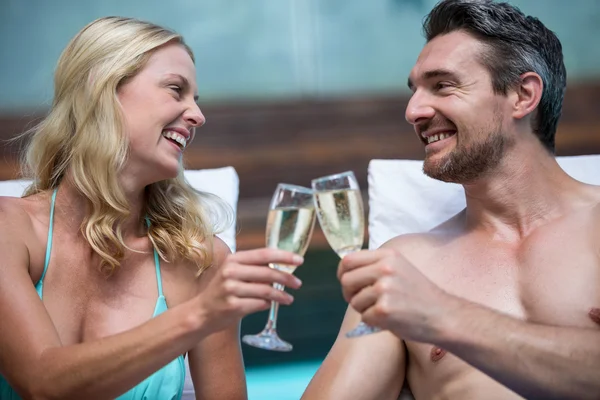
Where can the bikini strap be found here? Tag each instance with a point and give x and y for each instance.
(50, 229)
(156, 265)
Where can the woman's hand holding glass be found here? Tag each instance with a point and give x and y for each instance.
(290, 225)
(243, 285)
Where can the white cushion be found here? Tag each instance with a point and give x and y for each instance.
(13, 188)
(404, 200)
(224, 182)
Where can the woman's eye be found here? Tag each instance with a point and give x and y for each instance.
(177, 89)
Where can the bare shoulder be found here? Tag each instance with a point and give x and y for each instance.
(219, 253)
(14, 209)
(595, 213)
(596, 200)
(410, 242)
(13, 222)
(21, 218)
(414, 245)
(586, 206)
(23, 231)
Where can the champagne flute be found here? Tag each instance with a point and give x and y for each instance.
(290, 225)
(340, 212)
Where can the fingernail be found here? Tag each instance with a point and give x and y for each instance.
(297, 281)
(290, 299)
(298, 259)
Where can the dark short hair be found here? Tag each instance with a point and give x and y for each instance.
(516, 44)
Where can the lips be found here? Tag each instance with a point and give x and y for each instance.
(434, 131)
(175, 137)
(437, 137)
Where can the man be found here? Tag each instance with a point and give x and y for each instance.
(501, 301)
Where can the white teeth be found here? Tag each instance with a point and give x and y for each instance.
(435, 138)
(178, 137)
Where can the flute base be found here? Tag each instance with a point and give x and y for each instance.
(361, 330)
(267, 340)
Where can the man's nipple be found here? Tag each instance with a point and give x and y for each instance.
(437, 353)
(594, 315)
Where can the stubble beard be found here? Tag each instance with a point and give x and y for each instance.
(465, 164)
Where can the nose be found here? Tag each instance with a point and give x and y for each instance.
(193, 116)
(419, 108)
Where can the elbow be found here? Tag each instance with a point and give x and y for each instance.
(42, 389)
(30, 393)
(41, 381)
(47, 392)
(592, 395)
(35, 393)
(41, 395)
(49, 395)
(588, 390)
(27, 390)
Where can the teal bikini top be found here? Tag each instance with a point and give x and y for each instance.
(164, 384)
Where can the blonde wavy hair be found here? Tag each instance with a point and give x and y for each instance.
(83, 139)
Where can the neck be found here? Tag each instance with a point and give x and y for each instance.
(525, 190)
(72, 207)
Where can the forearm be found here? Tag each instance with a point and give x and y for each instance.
(536, 361)
(217, 366)
(370, 367)
(106, 368)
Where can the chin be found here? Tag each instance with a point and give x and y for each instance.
(434, 164)
(456, 168)
(434, 170)
(164, 172)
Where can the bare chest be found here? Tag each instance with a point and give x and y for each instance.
(86, 304)
(551, 277)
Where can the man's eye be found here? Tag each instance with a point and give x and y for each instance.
(442, 85)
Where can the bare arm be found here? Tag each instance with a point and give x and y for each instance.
(371, 367)
(217, 367)
(536, 361)
(37, 365)
(216, 363)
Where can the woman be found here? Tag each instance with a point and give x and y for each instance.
(111, 272)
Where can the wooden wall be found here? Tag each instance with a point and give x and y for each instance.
(294, 141)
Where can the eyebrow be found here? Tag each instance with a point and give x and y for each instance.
(185, 83)
(434, 73)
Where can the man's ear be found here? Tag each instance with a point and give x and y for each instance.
(528, 94)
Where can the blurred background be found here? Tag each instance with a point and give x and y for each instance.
(292, 90)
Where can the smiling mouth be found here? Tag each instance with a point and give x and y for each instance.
(176, 138)
(436, 138)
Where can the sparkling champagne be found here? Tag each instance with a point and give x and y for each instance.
(290, 229)
(341, 217)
